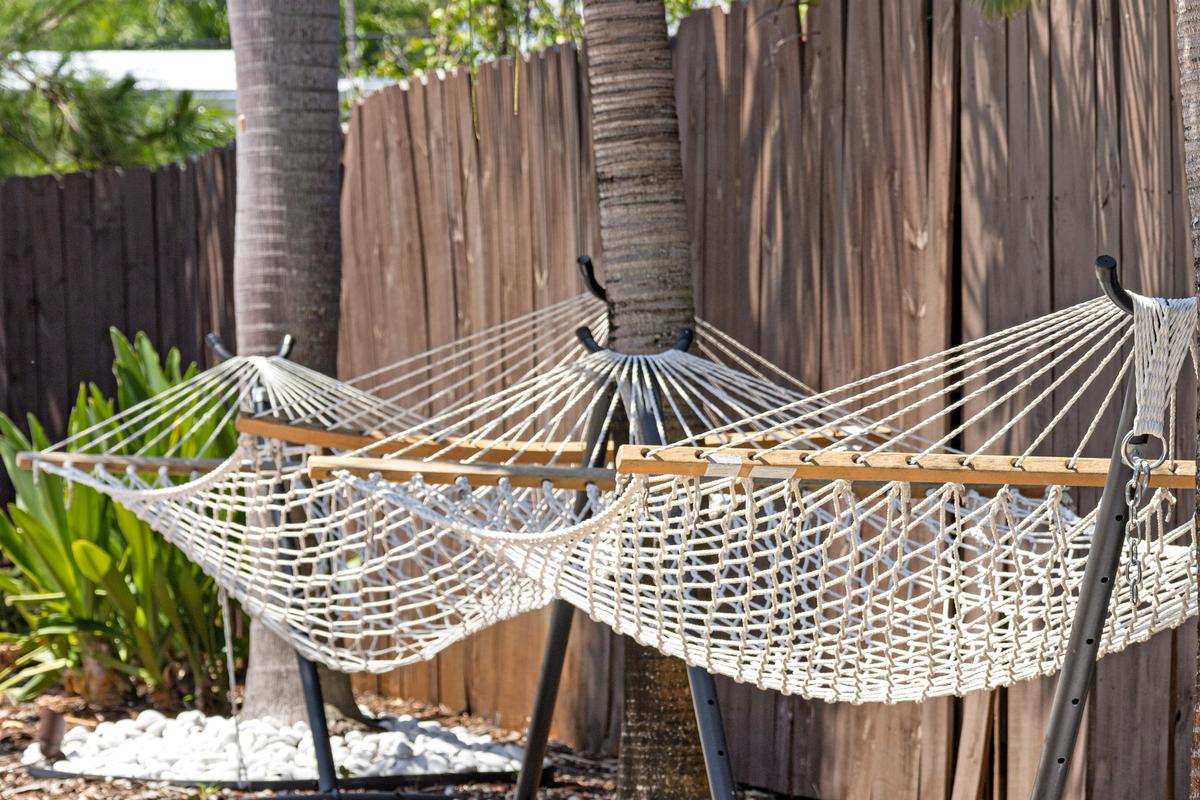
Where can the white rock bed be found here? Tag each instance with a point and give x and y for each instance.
(193, 747)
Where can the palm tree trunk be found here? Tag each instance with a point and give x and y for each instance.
(644, 238)
(287, 246)
(639, 170)
(1187, 27)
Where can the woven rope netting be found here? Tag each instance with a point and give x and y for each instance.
(819, 544)
(342, 590)
(349, 579)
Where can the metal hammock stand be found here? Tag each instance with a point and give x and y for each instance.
(702, 684)
(704, 690)
(1070, 696)
(1122, 477)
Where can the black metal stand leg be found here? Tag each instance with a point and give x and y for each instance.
(562, 612)
(543, 703)
(314, 705)
(703, 687)
(712, 733)
(1066, 715)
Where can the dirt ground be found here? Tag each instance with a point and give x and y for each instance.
(575, 775)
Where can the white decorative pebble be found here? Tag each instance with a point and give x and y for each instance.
(195, 747)
(32, 754)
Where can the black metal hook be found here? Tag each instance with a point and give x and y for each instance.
(217, 346)
(588, 272)
(584, 334)
(683, 341)
(285, 347)
(1110, 283)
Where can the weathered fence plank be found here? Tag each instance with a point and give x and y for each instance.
(117, 248)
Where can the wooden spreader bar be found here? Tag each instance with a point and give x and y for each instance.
(883, 467)
(118, 463)
(403, 469)
(416, 447)
(492, 451)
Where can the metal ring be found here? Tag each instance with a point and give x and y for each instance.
(1129, 461)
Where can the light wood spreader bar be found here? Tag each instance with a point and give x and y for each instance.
(491, 451)
(416, 447)
(142, 464)
(403, 469)
(882, 467)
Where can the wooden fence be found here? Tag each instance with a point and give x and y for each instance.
(876, 182)
(871, 183)
(137, 249)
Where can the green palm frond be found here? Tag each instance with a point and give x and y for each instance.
(1001, 9)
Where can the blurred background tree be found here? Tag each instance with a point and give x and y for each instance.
(398, 38)
(56, 118)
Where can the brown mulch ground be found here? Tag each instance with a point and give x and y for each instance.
(576, 776)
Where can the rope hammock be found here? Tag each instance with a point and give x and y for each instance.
(917, 533)
(349, 581)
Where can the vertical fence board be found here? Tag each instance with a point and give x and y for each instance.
(10, 214)
(141, 290)
(558, 280)
(82, 287)
(108, 296)
(791, 280)
(185, 272)
(50, 315)
(20, 337)
(354, 323)
(168, 252)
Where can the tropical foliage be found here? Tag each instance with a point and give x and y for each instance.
(109, 607)
(54, 118)
(401, 37)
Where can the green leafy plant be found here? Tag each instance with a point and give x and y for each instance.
(110, 607)
(57, 116)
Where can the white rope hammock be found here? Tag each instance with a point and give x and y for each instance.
(908, 535)
(358, 584)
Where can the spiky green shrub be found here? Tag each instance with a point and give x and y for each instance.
(110, 607)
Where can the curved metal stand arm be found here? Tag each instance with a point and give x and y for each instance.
(1110, 283)
(587, 271)
(218, 347)
(1095, 592)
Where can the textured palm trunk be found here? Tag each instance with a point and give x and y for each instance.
(644, 237)
(1187, 25)
(287, 245)
(639, 169)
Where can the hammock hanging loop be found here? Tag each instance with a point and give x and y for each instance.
(1132, 452)
(1163, 333)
